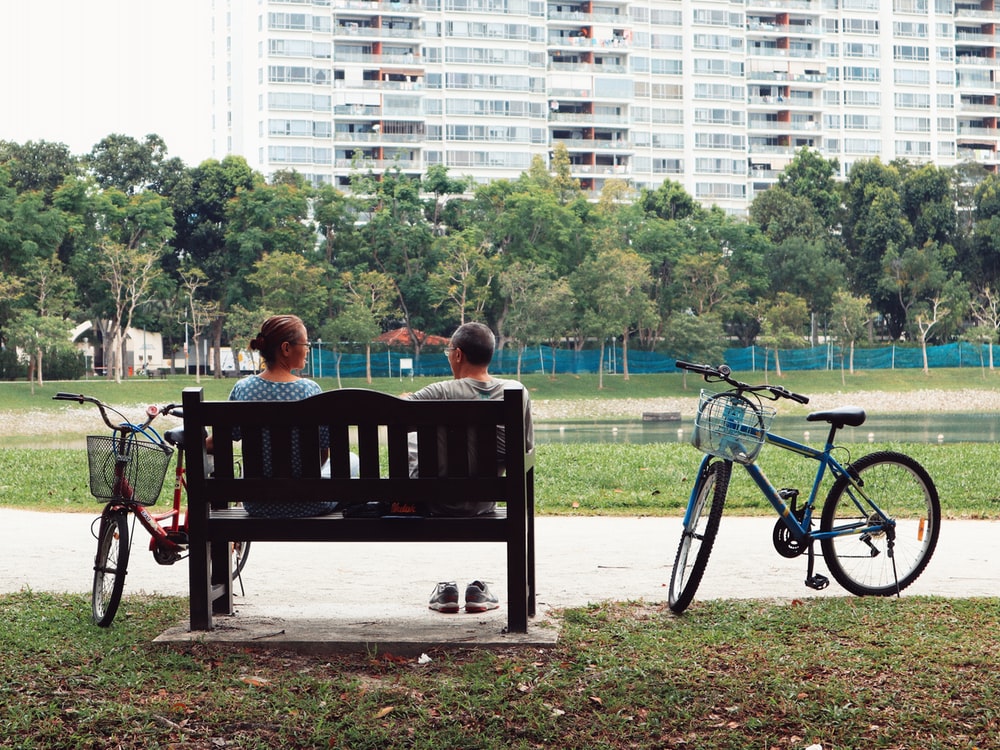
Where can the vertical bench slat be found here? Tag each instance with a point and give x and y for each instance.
(340, 450)
(368, 450)
(398, 445)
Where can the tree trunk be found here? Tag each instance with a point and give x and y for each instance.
(600, 368)
(625, 354)
(217, 346)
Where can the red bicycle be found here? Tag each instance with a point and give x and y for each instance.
(127, 469)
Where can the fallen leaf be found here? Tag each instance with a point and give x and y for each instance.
(256, 681)
(384, 711)
(597, 700)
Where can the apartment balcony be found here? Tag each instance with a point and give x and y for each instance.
(772, 126)
(358, 110)
(600, 169)
(378, 164)
(809, 80)
(594, 144)
(783, 103)
(977, 38)
(984, 156)
(408, 58)
(768, 30)
(965, 108)
(788, 151)
(584, 42)
(377, 8)
(977, 14)
(977, 61)
(784, 54)
(965, 85)
(588, 18)
(389, 138)
(375, 32)
(582, 118)
(799, 6)
(587, 68)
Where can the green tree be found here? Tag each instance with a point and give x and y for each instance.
(126, 164)
(783, 322)
(849, 319)
(812, 177)
(463, 278)
(355, 323)
(397, 242)
(375, 292)
(37, 166)
(611, 290)
(291, 284)
(695, 338)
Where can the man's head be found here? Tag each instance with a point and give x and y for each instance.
(471, 350)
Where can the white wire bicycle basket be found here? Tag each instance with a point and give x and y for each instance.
(731, 426)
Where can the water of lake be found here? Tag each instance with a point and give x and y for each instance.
(903, 428)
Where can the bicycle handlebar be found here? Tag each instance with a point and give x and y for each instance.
(723, 373)
(152, 412)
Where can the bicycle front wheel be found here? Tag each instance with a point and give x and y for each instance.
(110, 566)
(241, 551)
(894, 492)
(699, 534)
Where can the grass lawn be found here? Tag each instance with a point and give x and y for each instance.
(728, 675)
(838, 672)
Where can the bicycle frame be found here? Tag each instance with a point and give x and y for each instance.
(800, 530)
(164, 548)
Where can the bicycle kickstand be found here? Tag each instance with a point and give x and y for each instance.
(816, 581)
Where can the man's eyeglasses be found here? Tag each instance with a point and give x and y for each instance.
(301, 343)
(450, 349)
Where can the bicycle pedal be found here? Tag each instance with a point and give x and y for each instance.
(817, 582)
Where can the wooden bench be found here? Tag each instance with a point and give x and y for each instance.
(457, 457)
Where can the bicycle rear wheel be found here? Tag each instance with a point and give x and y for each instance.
(110, 566)
(884, 562)
(699, 534)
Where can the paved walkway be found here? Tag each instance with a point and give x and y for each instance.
(379, 591)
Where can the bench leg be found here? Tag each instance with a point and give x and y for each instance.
(222, 578)
(519, 587)
(200, 584)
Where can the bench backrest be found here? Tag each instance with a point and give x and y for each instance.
(282, 445)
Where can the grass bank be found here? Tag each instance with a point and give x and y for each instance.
(728, 675)
(596, 479)
(18, 395)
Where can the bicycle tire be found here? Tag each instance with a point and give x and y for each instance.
(904, 491)
(699, 534)
(110, 566)
(241, 551)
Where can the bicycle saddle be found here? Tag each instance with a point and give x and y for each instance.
(175, 437)
(849, 416)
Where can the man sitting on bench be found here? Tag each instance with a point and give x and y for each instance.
(469, 353)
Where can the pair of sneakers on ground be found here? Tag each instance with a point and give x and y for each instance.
(478, 597)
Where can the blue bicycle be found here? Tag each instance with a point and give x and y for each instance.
(880, 520)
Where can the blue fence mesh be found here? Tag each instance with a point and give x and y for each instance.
(541, 359)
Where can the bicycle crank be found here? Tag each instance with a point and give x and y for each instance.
(784, 541)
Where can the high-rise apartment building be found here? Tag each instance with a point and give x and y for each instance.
(717, 95)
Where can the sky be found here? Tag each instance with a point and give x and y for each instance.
(75, 71)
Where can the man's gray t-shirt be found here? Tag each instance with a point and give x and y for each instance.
(468, 389)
